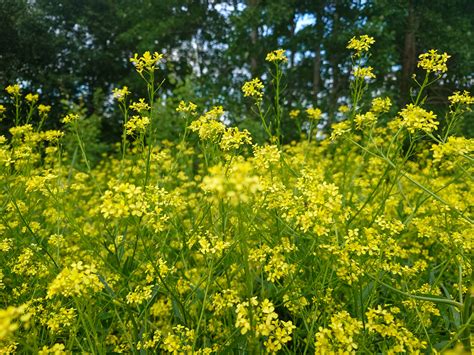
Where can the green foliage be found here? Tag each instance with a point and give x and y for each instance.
(72, 48)
(222, 242)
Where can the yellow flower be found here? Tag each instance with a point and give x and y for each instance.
(340, 128)
(69, 118)
(453, 146)
(365, 120)
(44, 109)
(61, 319)
(233, 138)
(208, 126)
(343, 109)
(140, 106)
(341, 333)
(77, 280)
(383, 322)
(433, 62)
(364, 73)
(463, 98)
(147, 62)
(276, 56)
(139, 295)
(314, 114)
(380, 105)
(187, 107)
(137, 124)
(13, 90)
(32, 98)
(56, 349)
(294, 113)
(253, 88)
(361, 44)
(416, 118)
(2, 109)
(121, 94)
(10, 320)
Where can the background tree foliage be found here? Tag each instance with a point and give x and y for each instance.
(79, 50)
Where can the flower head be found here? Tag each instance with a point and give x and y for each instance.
(433, 62)
(365, 120)
(13, 90)
(339, 129)
(381, 104)
(253, 88)
(294, 113)
(137, 124)
(233, 138)
(140, 106)
(121, 94)
(77, 280)
(343, 109)
(277, 55)
(71, 117)
(208, 125)
(364, 73)
(189, 107)
(463, 98)
(32, 98)
(361, 44)
(314, 114)
(147, 62)
(44, 109)
(416, 118)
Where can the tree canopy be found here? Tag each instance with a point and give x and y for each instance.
(79, 50)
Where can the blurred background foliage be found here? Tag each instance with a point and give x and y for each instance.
(77, 52)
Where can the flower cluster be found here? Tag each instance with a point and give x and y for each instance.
(187, 107)
(137, 124)
(139, 106)
(314, 114)
(233, 138)
(433, 62)
(341, 335)
(254, 89)
(79, 279)
(121, 94)
(32, 98)
(454, 146)
(267, 324)
(277, 55)
(363, 72)
(44, 109)
(147, 62)
(360, 44)
(294, 113)
(383, 322)
(13, 90)
(365, 120)
(381, 104)
(458, 98)
(70, 118)
(415, 118)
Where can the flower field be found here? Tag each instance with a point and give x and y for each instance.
(356, 239)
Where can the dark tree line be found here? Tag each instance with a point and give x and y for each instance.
(71, 49)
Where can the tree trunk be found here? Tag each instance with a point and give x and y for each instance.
(408, 55)
(317, 56)
(254, 38)
(334, 61)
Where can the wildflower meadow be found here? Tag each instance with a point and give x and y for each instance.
(357, 238)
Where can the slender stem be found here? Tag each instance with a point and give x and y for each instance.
(421, 298)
